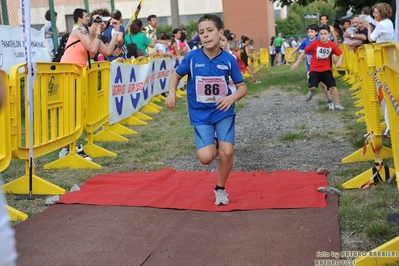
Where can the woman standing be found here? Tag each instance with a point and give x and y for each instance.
(245, 55)
(139, 38)
(88, 40)
(384, 31)
(176, 45)
(272, 51)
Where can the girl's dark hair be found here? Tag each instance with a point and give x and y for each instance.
(227, 34)
(272, 40)
(47, 16)
(164, 36)
(136, 26)
(325, 27)
(211, 17)
(313, 27)
(176, 31)
(183, 37)
(132, 50)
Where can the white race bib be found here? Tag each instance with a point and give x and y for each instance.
(210, 89)
(323, 52)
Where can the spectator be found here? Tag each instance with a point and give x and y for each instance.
(384, 31)
(197, 42)
(48, 32)
(278, 42)
(185, 31)
(182, 42)
(139, 38)
(367, 12)
(80, 17)
(176, 46)
(337, 31)
(191, 41)
(118, 51)
(283, 49)
(161, 48)
(84, 43)
(272, 51)
(234, 44)
(151, 31)
(351, 29)
(294, 42)
(324, 21)
(359, 38)
(245, 55)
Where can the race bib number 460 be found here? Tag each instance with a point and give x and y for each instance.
(210, 89)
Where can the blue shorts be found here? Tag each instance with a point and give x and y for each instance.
(225, 131)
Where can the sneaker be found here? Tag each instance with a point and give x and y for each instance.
(221, 197)
(256, 81)
(309, 95)
(81, 152)
(63, 152)
(339, 107)
(331, 106)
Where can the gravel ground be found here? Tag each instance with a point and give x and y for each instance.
(260, 126)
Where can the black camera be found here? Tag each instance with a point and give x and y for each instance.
(150, 31)
(102, 19)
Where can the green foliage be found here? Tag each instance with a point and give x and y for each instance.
(353, 5)
(291, 25)
(192, 26)
(167, 29)
(295, 22)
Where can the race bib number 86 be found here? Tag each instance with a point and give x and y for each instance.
(210, 89)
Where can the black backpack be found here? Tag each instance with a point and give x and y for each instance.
(62, 47)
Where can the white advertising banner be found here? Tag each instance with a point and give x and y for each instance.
(12, 50)
(133, 86)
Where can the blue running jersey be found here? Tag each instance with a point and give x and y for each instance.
(207, 83)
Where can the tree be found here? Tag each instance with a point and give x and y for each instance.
(296, 24)
(353, 5)
(291, 25)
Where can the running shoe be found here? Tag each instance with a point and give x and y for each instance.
(221, 197)
(339, 107)
(309, 95)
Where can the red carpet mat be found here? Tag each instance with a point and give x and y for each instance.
(168, 188)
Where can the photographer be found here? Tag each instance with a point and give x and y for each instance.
(83, 44)
(87, 41)
(118, 51)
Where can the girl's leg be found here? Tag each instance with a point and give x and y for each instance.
(251, 75)
(225, 163)
(226, 134)
(334, 94)
(205, 143)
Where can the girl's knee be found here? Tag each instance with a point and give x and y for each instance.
(206, 157)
